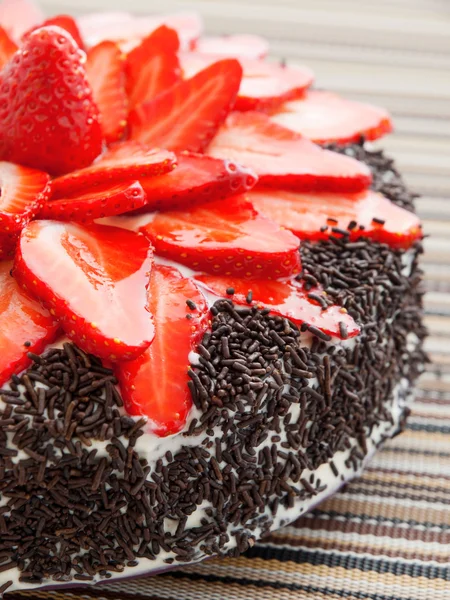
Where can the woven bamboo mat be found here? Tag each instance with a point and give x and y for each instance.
(387, 535)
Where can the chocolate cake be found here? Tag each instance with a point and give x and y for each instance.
(118, 459)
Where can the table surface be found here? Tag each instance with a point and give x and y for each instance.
(387, 535)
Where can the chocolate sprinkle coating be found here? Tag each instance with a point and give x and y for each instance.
(270, 409)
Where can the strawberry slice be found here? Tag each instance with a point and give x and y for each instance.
(187, 116)
(22, 321)
(23, 191)
(94, 280)
(128, 31)
(124, 162)
(155, 384)
(153, 66)
(105, 71)
(265, 86)
(96, 204)
(282, 158)
(326, 117)
(316, 216)
(196, 179)
(234, 46)
(7, 47)
(229, 238)
(286, 298)
(67, 23)
(8, 243)
(19, 16)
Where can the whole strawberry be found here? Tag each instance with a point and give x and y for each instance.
(48, 119)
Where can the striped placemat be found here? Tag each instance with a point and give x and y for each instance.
(386, 536)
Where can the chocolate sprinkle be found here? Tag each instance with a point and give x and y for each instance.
(271, 409)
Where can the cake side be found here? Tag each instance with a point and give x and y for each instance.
(282, 418)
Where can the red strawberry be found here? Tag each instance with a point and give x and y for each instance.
(196, 179)
(326, 117)
(18, 16)
(153, 66)
(23, 191)
(7, 47)
(155, 384)
(307, 214)
(105, 69)
(234, 46)
(8, 243)
(264, 87)
(97, 204)
(229, 238)
(22, 321)
(187, 116)
(124, 162)
(286, 298)
(67, 23)
(48, 119)
(283, 159)
(94, 280)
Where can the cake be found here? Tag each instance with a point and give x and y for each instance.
(210, 296)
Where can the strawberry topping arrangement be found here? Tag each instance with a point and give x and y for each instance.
(212, 149)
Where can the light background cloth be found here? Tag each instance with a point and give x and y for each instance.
(387, 535)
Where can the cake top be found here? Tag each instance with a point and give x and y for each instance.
(210, 158)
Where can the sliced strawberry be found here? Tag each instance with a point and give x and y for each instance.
(22, 321)
(229, 238)
(326, 117)
(113, 26)
(105, 69)
(153, 66)
(94, 280)
(264, 87)
(18, 16)
(124, 162)
(234, 46)
(67, 23)
(7, 47)
(48, 118)
(196, 179)
(282, 158)
(96, 204)
(129, 31)
(187, 116)
(188, 25)
(155, 385)
(8, 243)
(286, 298)
(316, 216)
(23, 192)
